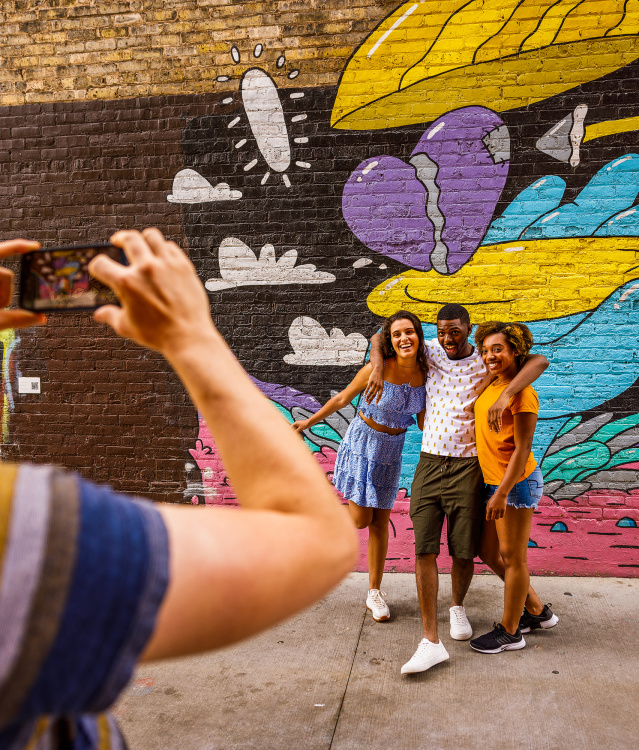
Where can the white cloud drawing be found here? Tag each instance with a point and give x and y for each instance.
(240, 267)
(190, 187)
(313, 345)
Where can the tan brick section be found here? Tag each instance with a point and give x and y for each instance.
(112, 50)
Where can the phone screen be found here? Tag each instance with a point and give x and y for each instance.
(59, 279)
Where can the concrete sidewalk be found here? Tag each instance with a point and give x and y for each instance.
(330, 678)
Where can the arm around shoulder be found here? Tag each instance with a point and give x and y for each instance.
(375, 386)
(531, 370)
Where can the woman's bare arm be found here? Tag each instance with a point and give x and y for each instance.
(232, 572)
(524, 428)
(375, 386)
(338, 401)
(420, 419)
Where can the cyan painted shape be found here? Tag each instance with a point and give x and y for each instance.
(624, 224)
(612, 190)
(614, 325)
(572, 462)
(627, 522)
(536, 200)
(559, 526)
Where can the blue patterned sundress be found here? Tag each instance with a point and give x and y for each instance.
(369, 462)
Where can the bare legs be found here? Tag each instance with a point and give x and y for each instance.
(461, 576)
(427, 577)
(427, 587)
(377, 523)
(491, 554)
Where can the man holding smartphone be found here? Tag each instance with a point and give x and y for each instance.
(91, 581)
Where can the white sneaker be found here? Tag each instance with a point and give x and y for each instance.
(377, 605)
(427, 655)
(460, 629)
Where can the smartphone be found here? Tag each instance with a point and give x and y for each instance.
(58, 280)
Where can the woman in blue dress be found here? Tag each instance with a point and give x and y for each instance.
(369, 459)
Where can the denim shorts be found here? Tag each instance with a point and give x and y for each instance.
(525, 494)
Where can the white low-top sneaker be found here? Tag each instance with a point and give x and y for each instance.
(460, 629)
(427, 655)
(377, 605)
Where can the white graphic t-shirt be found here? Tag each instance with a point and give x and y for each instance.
(451, 389)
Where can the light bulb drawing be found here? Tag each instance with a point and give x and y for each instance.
(263, 108)
(266, 118)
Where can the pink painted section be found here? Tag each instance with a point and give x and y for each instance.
(216, 487)
(592, 545)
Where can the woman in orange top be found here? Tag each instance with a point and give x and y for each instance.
(514, 486)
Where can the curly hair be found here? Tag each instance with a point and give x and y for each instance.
(517, 335)
(387, 346)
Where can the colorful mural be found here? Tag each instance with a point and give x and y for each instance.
(8, 341)
(469, 154)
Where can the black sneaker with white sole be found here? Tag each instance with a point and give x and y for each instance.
(498, 640)
(547, 619)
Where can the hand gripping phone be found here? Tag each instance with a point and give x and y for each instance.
(58, 280)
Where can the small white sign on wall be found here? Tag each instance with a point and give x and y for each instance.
(28, 385)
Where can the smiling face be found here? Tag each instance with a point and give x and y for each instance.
(404, 338)
(453, 336)
(499, 357)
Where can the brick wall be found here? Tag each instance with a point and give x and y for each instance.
(419, 155)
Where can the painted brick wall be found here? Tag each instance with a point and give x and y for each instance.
(326, 164)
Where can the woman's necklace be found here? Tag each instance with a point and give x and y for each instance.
(414, 370)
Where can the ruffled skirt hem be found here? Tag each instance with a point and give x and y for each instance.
(368, 466)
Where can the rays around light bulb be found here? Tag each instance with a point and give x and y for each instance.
(267, 121)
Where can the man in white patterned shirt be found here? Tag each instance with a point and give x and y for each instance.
(448, 480)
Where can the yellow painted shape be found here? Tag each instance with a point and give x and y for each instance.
(463, 33)
(500, 85)
(521, 280)
(519, 27)
(630, 22)
(549, 25)
(7, 337)
(610, 127)
(7, 480)
(429, 58)
(589, 20)
(400, 41)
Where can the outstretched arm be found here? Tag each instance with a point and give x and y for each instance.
(532, 369)
(338, 401)
(375, 385)
(232, 573)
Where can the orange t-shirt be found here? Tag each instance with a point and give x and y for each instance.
(494, 449)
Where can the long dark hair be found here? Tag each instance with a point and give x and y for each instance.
(387, 346)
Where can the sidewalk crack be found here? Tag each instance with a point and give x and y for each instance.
(348, 679)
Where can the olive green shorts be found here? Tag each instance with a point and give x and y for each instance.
(451, 487)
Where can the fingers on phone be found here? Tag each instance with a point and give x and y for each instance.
(135, 246)
(20, 319)
(107, 270)
(109, 314)
(11, 247)
(155, 240)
